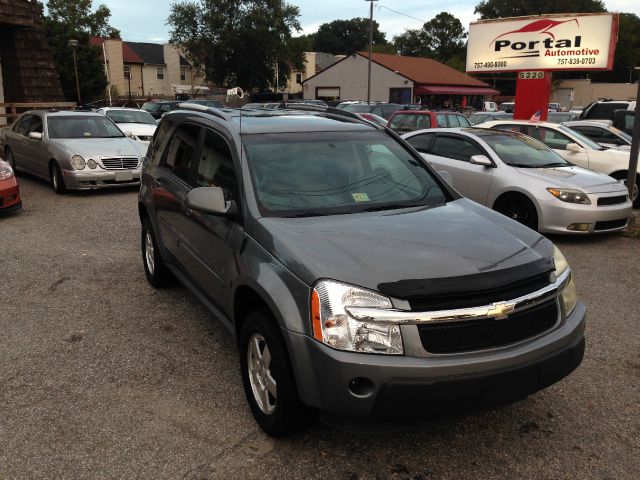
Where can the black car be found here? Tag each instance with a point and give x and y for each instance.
(159, 108)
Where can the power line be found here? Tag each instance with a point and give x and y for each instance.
(400, 13)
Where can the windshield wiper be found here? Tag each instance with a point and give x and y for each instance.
(550, 165)
(306, 214)
(521, 165)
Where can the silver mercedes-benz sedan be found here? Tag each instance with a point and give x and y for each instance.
(524, 179)
(74, 150)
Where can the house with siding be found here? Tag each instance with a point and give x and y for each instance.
(148, 69)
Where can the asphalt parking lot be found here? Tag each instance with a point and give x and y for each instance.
(104, 377)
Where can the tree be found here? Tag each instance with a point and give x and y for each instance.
(509, 8)
(442, 37)
(627, 51)
(342, 37)
(73, 19)
(237, 42)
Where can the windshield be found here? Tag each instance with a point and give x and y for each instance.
(587, 141)
(130, 116)
(621, 134)
(95, 126)
(525, 152)
(357, 107)
(328, 173)
(151, 107)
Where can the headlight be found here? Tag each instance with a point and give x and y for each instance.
(78, 162)
(569, 195)
(335, 328)
(91, 163)
(569, 293)
(6, 172)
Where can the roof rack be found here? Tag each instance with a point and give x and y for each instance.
(317, 108)
(203, 108)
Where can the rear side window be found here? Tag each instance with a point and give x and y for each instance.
(35, 125)
(23, 127)
(159, 140)
(442, 120)
(457, 148)
(463, 121)
(181, 150)
(604, 111)
(215, 166)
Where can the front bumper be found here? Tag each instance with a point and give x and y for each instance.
(556, 216)
(91, 179)
(404, 386)
(9, 196)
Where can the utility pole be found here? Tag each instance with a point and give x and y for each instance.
(74, 44)
(370, 49)
(635, 147)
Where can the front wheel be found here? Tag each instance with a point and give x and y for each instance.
(635, 197)
(268, 379)
(519, 208)
(57, 180)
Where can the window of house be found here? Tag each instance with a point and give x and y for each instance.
(160, 73)
(298, 78)
(183, 73)
(127, 71)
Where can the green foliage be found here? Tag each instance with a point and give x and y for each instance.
(511, 8)
(342, 37)
(627, 51)
(442, 37)
(237, 42)
(73, 19)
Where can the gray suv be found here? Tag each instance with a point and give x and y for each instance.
(355, 280)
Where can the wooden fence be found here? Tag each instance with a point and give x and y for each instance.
(11, 111)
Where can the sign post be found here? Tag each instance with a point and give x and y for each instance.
(536, 46)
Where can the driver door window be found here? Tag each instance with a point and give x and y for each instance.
(455, 148)
(215, 166)
(550, 138)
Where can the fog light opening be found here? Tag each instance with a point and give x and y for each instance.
(578, 227)
(361, 387)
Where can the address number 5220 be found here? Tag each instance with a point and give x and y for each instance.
(531, 75)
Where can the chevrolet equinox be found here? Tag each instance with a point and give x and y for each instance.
(355, 280)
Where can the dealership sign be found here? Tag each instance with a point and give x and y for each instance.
(547, 42)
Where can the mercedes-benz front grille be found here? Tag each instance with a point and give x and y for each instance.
(120, 163)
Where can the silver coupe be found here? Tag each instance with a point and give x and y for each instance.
(74, 150)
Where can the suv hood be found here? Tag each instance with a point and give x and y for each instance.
(574, 177)
(417, 247)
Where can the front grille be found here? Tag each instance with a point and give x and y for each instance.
(120, 163)
(479, 298)
(610, 224)
(465, 336)
(604, 201)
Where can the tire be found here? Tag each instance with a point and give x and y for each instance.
(636, 191)
(269, 385)
(154, 267)
(57, 180)
(518, 208)
(10, 159)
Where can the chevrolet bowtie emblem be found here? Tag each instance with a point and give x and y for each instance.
(501, 310)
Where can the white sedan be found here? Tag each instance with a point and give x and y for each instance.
(575, 148)
(139, 122)
(525, 180)
(602, 133)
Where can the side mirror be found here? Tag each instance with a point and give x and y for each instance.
(574, 147)
(446, 176)
(482, 160)
(35, 135)
(128, 133)
(209, 200)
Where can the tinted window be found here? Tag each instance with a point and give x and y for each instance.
(422, 142)
(35, 125)
(336, 172)
(457, 148)
(442, 120)
(215, 167)
(598, 134)
(408, 122)
(159, 140)
(181, 149)
(605, 110)
(23, 127)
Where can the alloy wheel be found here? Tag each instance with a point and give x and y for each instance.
(149, 252)
(263, 385)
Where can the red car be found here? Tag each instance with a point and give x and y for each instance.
(9, 190)
(405, 121)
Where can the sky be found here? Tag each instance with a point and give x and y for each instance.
(144, 20)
